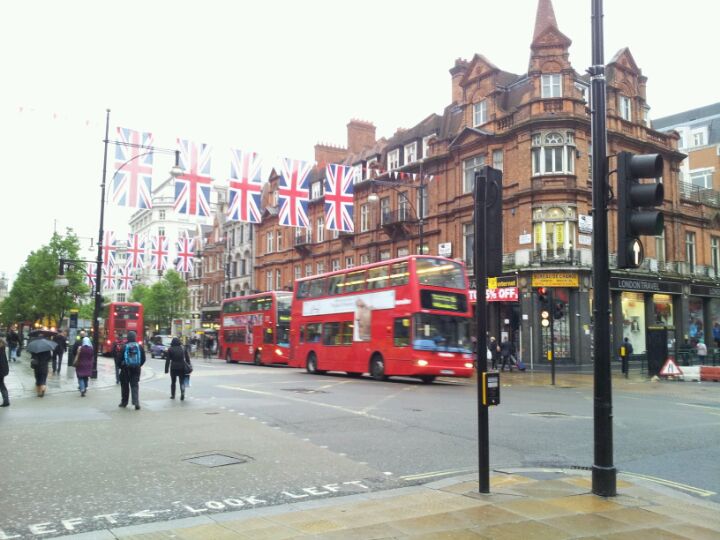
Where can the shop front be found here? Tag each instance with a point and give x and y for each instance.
(704, 316)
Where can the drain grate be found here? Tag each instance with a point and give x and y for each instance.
(549, 414)
(218, 460)
(304, 391)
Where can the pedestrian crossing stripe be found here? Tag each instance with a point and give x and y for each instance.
(670, 369)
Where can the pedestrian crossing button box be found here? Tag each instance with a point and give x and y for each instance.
(490, 389)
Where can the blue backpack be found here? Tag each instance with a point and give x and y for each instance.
(132, 354)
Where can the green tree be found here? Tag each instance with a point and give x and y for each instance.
(164, 300)
(34, 295)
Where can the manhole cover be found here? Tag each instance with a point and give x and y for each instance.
(304, 391)
(549, 414)
(218, 460)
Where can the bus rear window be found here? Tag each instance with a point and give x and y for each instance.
(440, 273)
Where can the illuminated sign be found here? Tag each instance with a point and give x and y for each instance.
(444, 301)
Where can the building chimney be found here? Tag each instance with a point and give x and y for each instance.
(325, 153)
(457, 72)
(360, 136)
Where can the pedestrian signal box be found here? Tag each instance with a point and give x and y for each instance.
(490, 389)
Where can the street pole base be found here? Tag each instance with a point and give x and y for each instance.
(604, 481)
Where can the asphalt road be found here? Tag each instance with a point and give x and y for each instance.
(249, 436)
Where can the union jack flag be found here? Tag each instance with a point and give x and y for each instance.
(293, 193)
(136, 251)
(109, 276)
(90, 274)
(186, 252)
(109, 248)
(124, 277)
(132, 183)
(192, 189)
(339, 197)
(159, 253)
(245, 184)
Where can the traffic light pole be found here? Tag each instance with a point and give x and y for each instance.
(552, 335)
(604, 474)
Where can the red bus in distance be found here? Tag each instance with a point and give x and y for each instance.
(255, 328)
(118, 318)
(407, 317)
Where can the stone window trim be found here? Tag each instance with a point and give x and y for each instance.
(553, 152)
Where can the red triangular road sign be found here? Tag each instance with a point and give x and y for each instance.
(670, 369)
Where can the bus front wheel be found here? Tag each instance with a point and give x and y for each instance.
(256, 359)
(377, 368)
(311, 366)
(427, 379)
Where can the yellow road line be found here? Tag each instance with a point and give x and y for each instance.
(670, 483)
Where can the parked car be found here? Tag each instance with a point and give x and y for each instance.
(159, 344)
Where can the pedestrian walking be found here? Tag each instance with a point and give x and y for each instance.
(506, 351)
(83, 363)
(39, 363)
(716, 333)
(177, 363)
(133, 358)
(13, 341)
(61, 341)
(4, 371)
(75, 346)
(116, 352)
(494, 349)
(701, 351)
(626, 350)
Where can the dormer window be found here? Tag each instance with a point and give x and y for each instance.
(315, 190)
(410, 153)
(393, 159)
(426, 145)
(480, 113)
(625, 107)
(552, 86)
(369, 167)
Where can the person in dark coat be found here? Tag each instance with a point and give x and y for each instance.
(506, 350)
(42, 360)
(61, 341)
(75, 347)
(116, 350)
(13, 341)
(130, 375)
(494, 351)
(4, 371)
(177, 362)
(84, 365)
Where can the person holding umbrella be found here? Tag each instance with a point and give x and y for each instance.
(84, 364)
(40, 350)
(4, 371)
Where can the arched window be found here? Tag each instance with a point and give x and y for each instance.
(553, 153)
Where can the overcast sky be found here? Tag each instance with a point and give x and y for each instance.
(273, 76)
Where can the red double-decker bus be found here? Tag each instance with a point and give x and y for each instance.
(118, 318)
(409, 317)
(255, 328)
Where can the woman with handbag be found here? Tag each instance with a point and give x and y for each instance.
(177, 361)
(83, 364)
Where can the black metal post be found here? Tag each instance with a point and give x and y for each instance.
(552, 335)
(481, 332)
(421, 210)
(98, 272)
(604, 474)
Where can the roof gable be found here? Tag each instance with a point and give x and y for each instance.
(479, 66)
(466, 134)
(624, 59)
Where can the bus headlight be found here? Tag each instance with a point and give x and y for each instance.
(422, 363)
(278, 352)
(468, 364)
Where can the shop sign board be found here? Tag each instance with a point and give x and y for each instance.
(585, 223)
(704, 290)
(555, 279)
(445, 249)
(499, 289)
(642, 285)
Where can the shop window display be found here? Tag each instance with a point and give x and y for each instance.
(695, 324)
(633, 309)
(663, 310)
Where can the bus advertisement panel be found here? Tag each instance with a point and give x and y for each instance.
(117, 320)
(406, 317)
(256, 328)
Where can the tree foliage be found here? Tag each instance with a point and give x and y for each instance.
(164, 300)
(34, 295)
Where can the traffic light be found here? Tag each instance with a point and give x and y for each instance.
(558, 309)
(636, 215)
(544, 301)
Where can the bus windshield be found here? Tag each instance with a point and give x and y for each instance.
(441, 333)
(440, 273)
(283, 320)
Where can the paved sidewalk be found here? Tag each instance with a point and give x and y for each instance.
(21, 379)
(523, 504)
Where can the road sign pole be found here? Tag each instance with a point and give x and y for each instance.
(552, 337)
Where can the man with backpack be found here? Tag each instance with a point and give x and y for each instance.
(133, 358)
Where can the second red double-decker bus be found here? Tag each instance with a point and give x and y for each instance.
(408, 316)
(117, 320)
(255, 328)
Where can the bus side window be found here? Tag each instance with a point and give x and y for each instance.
(303, 289)
(302, 334)
(317, 288)
(313, 332)
(335, 284)
(347, 333)
(401, 332)
(331, 333)
(268, 335)
(399, 274)
(378, 277)
(355, 281)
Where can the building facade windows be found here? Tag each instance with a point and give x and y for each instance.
(279, 240)
(268, 280)
(426, 145)
(403, 206)
(335, 264)
(554, 231)
(278, 280)
(690, 254)
(469, 244)
(497, 160)
(320, 225)
(269, 240)
(660, 248)
(702, 178)
(698, 137)
(369, 167)
(364, 259)
(552, 86)
(349, 261)
(384, 210)
(384, 254)
(553, 153)
(316, 190)
(422, 202)
(470, 167)
(393, 159)
(161, 215)
(297, 272)
(410, 153)
(625, 107)
(364, 217)
(308, 269)
(479, 113)
(715, 254)
(320, 267)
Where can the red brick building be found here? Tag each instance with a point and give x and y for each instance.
(535, 127)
